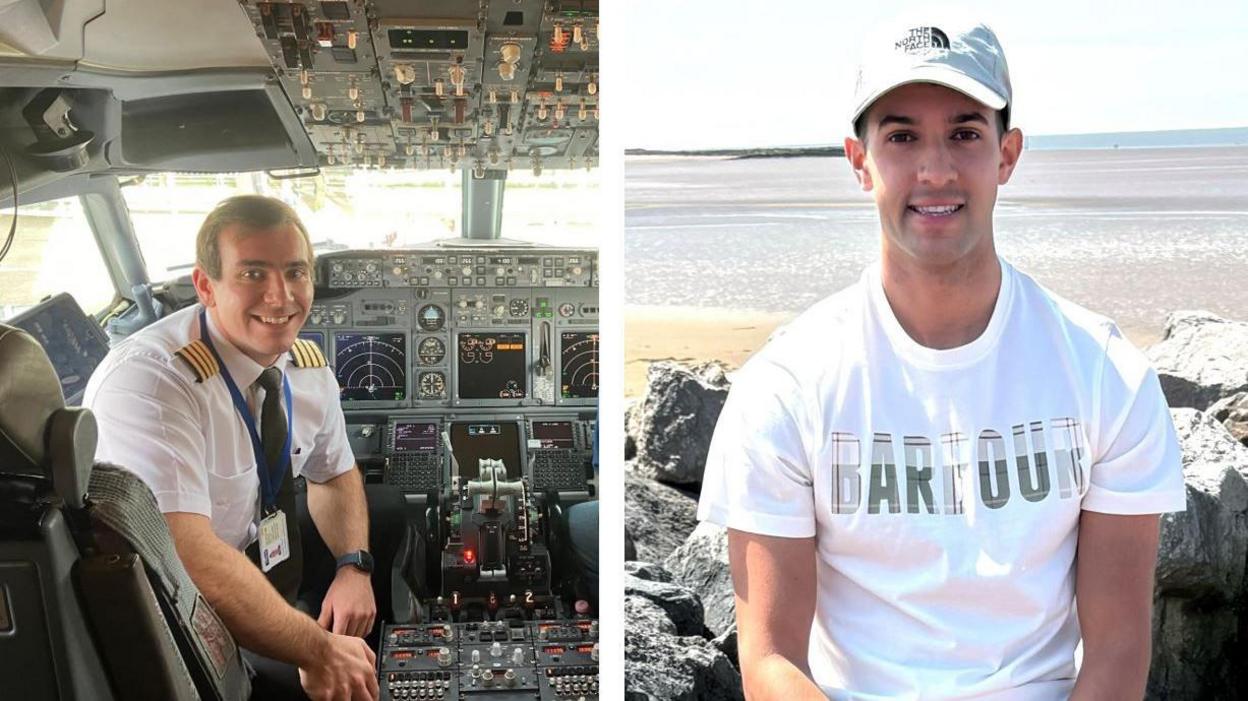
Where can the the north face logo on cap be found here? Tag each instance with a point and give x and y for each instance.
(922, 39)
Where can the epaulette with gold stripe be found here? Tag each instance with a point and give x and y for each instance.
(307, 354)
(200, 360)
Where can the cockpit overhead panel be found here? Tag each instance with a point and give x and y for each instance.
(488, 85)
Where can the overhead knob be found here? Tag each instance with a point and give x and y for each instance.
(496, 650)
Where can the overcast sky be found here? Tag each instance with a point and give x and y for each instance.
(736, 73)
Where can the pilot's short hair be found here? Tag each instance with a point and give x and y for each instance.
(252, 213)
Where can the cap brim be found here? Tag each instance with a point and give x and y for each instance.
(938, 75)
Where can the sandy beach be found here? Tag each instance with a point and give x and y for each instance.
(697, 334)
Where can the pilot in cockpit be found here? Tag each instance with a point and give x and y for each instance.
(219, 408)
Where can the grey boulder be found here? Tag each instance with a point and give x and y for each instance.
(679, 603)
(1200, 583)
(1201, 358)
(671, 427)
(701, 563)
(657, 517)
(666, 667)
(1233, 413)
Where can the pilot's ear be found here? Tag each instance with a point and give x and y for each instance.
(856, 153)
(203, 287)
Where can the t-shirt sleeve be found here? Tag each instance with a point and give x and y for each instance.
(758, 477)
(331, 453)
(148, 424)
(1137, 465)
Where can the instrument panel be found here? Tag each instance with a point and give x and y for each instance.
(443, 329)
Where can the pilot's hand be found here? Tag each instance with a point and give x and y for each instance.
(347, 672)
(349, 608)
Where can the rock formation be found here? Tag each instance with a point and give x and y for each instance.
(681, 634)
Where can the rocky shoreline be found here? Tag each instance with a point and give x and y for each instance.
(680, 640)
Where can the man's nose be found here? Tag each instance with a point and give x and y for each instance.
(278, 292)
(936, 166)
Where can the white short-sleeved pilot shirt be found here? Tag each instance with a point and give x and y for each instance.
(943, 487)
(186, 440)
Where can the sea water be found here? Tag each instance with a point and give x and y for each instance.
(1130, 233)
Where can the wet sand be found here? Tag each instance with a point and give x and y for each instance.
(699, 334)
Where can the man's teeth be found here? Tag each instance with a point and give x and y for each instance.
(938, 211)
(275, 319)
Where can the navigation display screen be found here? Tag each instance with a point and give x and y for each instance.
(553, 434)
(492, 366)
(415, 437)
(578, 364)
(371, 366)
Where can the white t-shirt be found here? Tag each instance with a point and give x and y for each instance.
(943, 487)
(186, 440)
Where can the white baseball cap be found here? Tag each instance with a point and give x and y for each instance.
(965, 57)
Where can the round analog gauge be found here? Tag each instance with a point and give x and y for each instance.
(567, 309)
(519, 307)
(431, 317)
(431, 351)
(432, 385)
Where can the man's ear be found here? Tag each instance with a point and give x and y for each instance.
(1011, 150)
(203, 287)
(856, 153)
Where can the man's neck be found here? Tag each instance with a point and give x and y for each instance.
(945, 306)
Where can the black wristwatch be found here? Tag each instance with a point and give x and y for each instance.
(360, 559)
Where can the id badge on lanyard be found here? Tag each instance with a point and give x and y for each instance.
(274, 535)
(274, 540)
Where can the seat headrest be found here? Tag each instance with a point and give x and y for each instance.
(30, 393)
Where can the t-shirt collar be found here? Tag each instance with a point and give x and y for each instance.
(932, 358)
(243, 369)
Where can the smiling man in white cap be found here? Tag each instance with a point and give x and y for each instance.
(924, 472)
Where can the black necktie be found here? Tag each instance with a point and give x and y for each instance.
(272, 418)
(286, 576)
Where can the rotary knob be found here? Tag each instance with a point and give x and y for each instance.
(371, 267)
(576, 270)
(500, 310)
(467, 270)
(476, 656)
(487, 678)
(517, 656)
(499, 271)
(315, 318)
(509, 678)
(496, 650)
(593, 654)
(339, 317)
(444, 657)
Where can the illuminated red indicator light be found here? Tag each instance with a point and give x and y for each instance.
(469, 556)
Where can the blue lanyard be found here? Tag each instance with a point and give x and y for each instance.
(270, 477)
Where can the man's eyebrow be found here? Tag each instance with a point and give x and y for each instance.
(267, 264)
(969, 117)
(894, 119)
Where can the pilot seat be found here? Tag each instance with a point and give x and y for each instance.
(94, 602)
